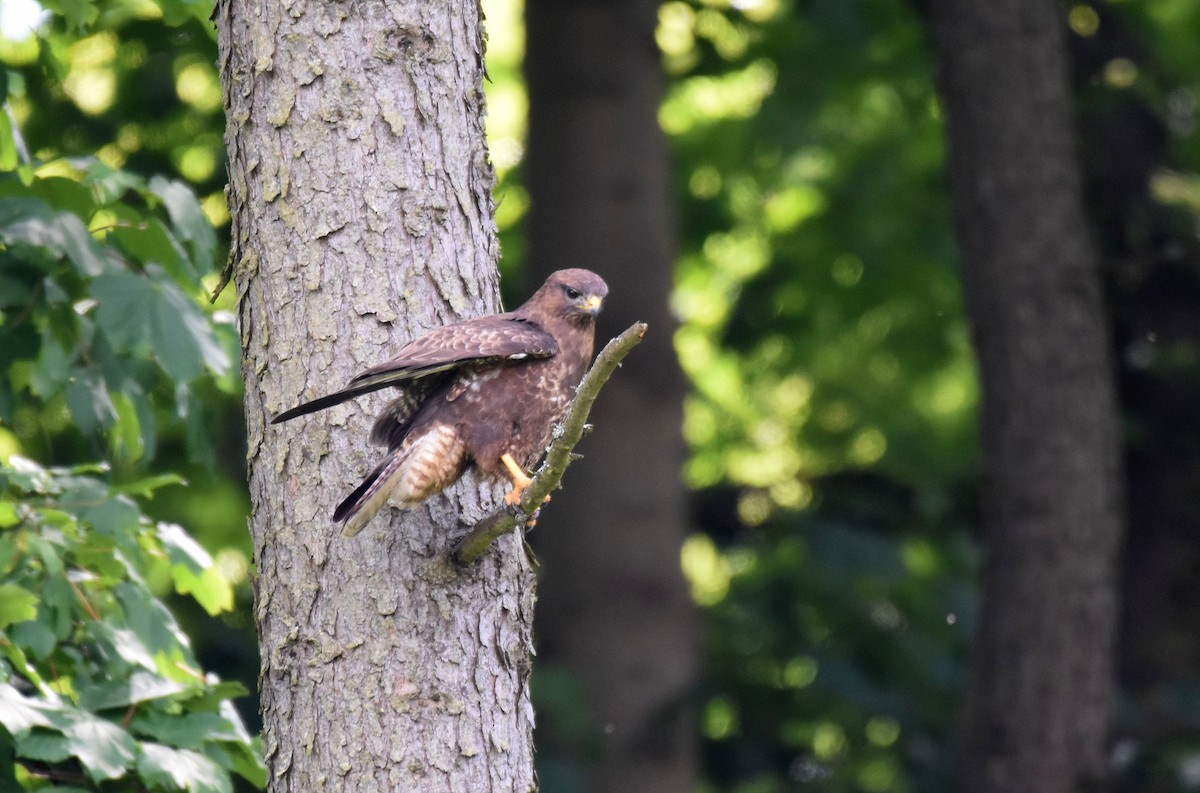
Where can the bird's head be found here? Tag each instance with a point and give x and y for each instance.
(576, 295)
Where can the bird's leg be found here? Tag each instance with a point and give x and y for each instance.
(520, 480)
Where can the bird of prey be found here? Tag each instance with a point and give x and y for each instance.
(484, 392)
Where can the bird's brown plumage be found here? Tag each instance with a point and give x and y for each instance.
(471, 393)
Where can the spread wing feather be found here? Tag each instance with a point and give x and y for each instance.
(394, 421)
(475, 342)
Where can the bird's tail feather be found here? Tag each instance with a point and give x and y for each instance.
(357, 509)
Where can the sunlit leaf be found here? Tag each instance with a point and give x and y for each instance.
(20, 714)
(105, 750)
(180, 768)
(141, 686)
(17, 604)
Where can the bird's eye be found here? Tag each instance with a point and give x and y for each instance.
(573, 294)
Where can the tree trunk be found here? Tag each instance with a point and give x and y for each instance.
(1039, 706)
(615, 612)
(362, 215)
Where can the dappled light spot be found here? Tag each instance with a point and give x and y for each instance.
(9, 443)
(882, 731)
(674, 33)
(703, 100)
(720, 718)
(728, 38)
(847, 270)
(512, 205)
(92, 90)
(920, 557)
(708, 574)
(1176, 189)
(837, 416)
(754, 508)
(196, 84)
(868, 446)
(800, 672)
(762, 467)
(741, 253)
(1120, 72)
(197, 163)
(1084, 20)
(791, 493)
(829, 740)
(788, 208)
(216, 208)
(705, 182)
(877, 776)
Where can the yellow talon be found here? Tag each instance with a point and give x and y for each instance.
(520, 480)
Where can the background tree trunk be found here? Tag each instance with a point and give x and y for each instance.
(362, 215)
(615, 612)
(1038, 710)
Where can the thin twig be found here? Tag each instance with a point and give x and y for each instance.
(559, 456)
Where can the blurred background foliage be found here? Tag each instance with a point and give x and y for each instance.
(832, 410)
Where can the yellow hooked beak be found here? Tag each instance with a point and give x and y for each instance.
(592, 306)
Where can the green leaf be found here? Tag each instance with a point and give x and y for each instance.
(105, 750)
(19, 714)
(8, 143)
(193, 571)
(182, 549)
(8, 519)
(17, 604)
(30, 222)
(114, 517)
(123, 308)
(89, 401)
(78, 14)
(134, 311)
(187, 730)
(160, 765)
(183, 338)
(151, 243)
(189, 220)
(125, 436)
(146, 487)
(129, 647)
(48, 747)
(141, 686)
(35, 637)
(209, 588)
(153, 623)
(66, 194)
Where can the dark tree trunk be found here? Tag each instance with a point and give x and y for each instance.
(362, 215)
(615, 612)
(1038, 710)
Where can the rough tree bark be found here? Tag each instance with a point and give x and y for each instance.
(1039, 706)
(362, 214)
(615, 611)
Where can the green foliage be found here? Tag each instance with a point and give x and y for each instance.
(108, 351)
(97, 265)
(822, 322)
(97, 681)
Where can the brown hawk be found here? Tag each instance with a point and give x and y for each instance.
(484, 392)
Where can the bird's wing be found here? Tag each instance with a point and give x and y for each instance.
(475, 342)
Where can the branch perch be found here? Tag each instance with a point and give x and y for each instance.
(558, 457)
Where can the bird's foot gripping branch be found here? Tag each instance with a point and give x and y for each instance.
(558, 456)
